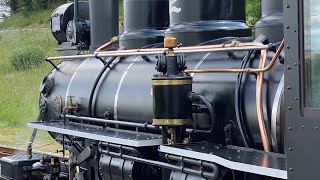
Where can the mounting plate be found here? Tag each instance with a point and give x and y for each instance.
(117, 136)
(236, 158)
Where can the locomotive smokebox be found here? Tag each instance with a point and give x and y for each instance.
(195, 21)
(144, 22)
(271, 22)
(104, 15)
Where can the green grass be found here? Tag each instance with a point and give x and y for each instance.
(20, 89)
(121, 10)
(39, 19)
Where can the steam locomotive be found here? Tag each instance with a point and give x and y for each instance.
(185, 92)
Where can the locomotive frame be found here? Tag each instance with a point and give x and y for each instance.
(203, 160)
(302, 123)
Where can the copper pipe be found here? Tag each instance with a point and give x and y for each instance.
(237, 44)
(106, 45)
(245, 70)
(262, 126)
(156, 51)
(261, 69)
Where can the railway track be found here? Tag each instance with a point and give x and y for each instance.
(9, 151)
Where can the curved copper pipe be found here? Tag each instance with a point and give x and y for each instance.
(245, 70)
(259, 83)
(260, 70)
(106, 45)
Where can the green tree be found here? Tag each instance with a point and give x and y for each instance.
(13, 4)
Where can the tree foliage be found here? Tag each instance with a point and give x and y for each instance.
(27, 6)
(253, 11)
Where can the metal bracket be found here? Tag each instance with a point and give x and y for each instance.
(54, 66)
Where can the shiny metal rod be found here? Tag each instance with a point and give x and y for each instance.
(106, 121)
(125, 53)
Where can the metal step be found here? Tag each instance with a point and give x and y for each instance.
(112, 135)
(236, 158)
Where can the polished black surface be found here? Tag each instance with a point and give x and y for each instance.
(236, 158)
(204, 10)
(193, 22)
(117, 136)
(271, 22)
(170, 102)
(125, 90)
(144, 22)
(104, 15)
(65, 14)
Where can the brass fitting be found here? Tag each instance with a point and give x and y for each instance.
(170, 42)
(170, 141)
(170, 131)
(115, 39)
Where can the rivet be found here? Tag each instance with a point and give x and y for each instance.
(290, 149)
(289, 87)
(302, 127)
(288, 27)
(295, 64)
(290, 128)
(295, 30)
(290, 169)
(288, 6)
(295, 98)
(288, 67)
(288, 47)
(317, 128)
(290, 108)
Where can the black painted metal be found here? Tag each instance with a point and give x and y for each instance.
(182, 176)
(144, 126)
(232, 157)
(118, 136)
(104, 15)
(115, 168)
(14, 167)
(302, 123)
(128, 83)
(144, 22)
(120, 169)
(271, 22)
(176, 104)
(65, 13)
(193, 22)
(201, 172)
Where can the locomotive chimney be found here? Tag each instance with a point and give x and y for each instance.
(144, 22)
(104, 16)
(271, 22)
(196, 21)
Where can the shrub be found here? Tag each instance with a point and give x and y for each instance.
(38, 5)
(27, 57)
(253, 11)
(28, 6)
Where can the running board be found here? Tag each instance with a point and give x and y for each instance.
(112, 135)
(235, 158)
